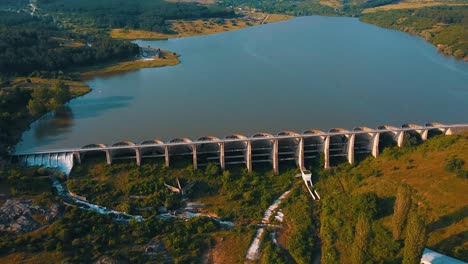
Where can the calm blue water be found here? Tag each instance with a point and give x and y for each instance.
(309, 72)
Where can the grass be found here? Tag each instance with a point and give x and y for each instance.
(169, 59)
(77, 88)
(412, 4)
(188, 28)
(230, 246)
(36, 258)
(440, 194)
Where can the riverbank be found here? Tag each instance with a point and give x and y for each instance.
(443, 26)
(189, 28)
(167, 58)
(19, 111)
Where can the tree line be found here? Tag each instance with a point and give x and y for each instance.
(30, 44)
(444, 26)
(139, 14)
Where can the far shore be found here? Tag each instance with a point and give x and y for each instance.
(190, 28)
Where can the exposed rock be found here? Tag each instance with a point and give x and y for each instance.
(109, 260)
(17, 215)
(158, 252)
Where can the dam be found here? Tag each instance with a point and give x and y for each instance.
(300, 148)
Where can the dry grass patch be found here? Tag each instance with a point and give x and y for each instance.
(77, 88)
(440, 194)
(189, 28)
(36, 258)
(169, 59)
(119, 33)
(230, 247)
(411, 4)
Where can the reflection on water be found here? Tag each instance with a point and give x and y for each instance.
(94, 107)
(308, 72)
(55, 123)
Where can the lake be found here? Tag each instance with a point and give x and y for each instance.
(308, 72)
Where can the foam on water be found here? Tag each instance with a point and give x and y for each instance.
(63, 161)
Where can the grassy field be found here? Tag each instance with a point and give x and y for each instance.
(168, 59)
(77, 88)
(230, 247)
(439, 195)
(187, 28)
(411, 4)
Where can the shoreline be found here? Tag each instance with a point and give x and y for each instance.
(199, 27)
(167, 58)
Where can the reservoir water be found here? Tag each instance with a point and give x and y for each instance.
(309, 72)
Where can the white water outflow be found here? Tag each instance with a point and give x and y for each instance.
(61, 161)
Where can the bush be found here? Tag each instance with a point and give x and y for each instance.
(454, 164)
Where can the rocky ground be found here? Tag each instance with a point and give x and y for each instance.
(21, 216)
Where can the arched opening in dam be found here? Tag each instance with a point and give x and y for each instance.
(338, 146)
(262, 150)
(95, 155)
(387, 139)
(313, 148)
(235, 152)
(412, 137)
(208, 152)
(435, 131)
(152, 153)
(125, 153)
(363, 143)
(288, 150)
(180, 155)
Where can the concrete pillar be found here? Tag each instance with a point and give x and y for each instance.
(194, 157)
(400, 138)
(300, 154)
(274, 157)
(424, 134)
(221, 156)
(449, 132)
(138, 156)
(109, 157)
(77, 157)
(375, 145)
(248, 156)
(351, 140)
(166, 156)
(326, 151)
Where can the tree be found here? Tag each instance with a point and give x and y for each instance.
(361, 239)
(61, 92)
(416, 236)
(400, 210)
(38, 101)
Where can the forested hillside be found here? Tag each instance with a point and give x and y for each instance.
(444, 26)
(138, 14)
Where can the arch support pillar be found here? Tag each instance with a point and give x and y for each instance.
(375, 145)
(350, 155)
(449, 131)
(300, 154)
(400, 138)
(424, 133)
(248, 156)
(77, 157)
(275, 157)
(326, 151)
(221, 156)
(194, 156)
(166, 156)
(108, 157)
(138, 156)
